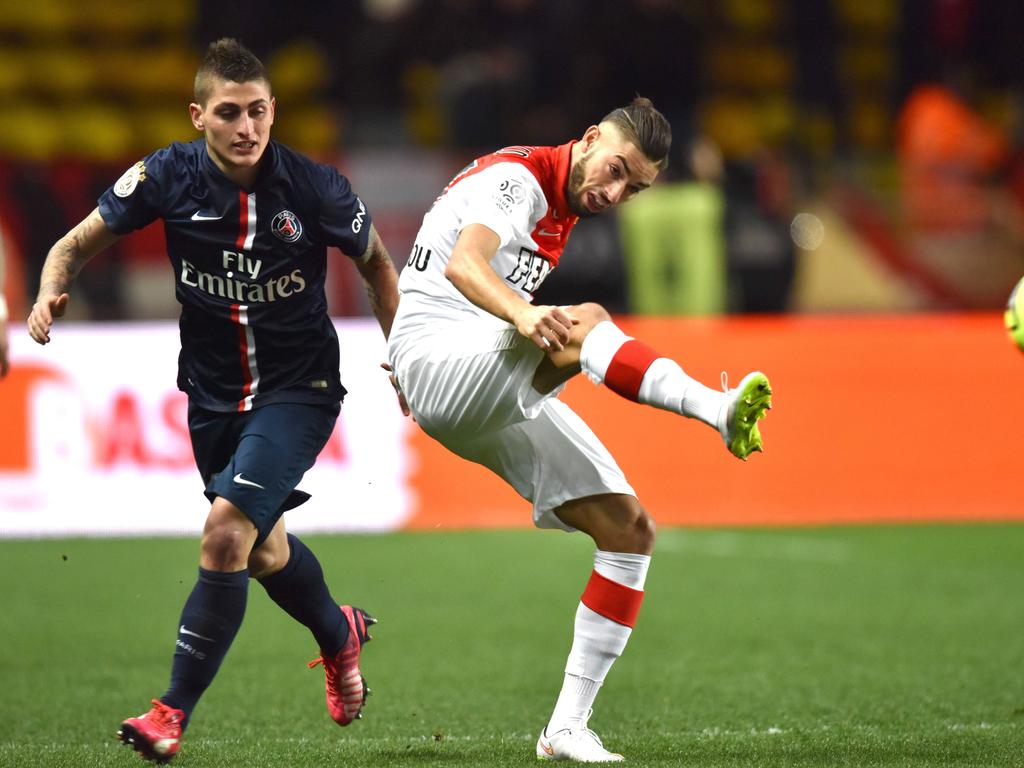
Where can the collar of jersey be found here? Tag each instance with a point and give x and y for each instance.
(269, 164)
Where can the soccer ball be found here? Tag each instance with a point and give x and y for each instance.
(1014, 315)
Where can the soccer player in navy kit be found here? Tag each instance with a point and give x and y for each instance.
(248, 222)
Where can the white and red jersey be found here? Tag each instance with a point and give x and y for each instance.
(520, 194)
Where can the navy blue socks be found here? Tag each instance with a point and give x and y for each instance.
(299, 588)
(209, 622)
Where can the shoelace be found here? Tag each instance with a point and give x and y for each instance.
(163, 714)
(725, 382)
(585, 729)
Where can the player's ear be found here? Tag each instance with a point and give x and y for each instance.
(195, 113)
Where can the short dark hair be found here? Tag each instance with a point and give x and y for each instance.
(646, 127)
(227, 59)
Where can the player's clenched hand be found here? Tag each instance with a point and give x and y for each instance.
(44, 312)
(547, 327)
(394, 383)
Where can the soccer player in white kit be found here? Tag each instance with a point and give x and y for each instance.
(481, 367)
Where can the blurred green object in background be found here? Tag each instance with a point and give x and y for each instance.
(675, 251)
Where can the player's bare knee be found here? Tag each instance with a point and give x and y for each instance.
(634, 532)
(225, 548)
(644, 533)
(624, 526)
(589, 314)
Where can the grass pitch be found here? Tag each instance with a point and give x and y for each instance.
(875, 646)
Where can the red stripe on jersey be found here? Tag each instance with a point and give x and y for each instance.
(627, 368)
(243, 219)
(243, 349)
(612, 600)
(550, 166)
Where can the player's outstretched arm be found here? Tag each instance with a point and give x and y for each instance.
(63, 263)
(469, 270)
(381, 281)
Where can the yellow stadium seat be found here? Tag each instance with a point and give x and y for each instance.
(311, 129)
(298, 71)
(62, 73)
(159, 126)
(29, 132)
(95, 132)
(39, 20)
(15, 74)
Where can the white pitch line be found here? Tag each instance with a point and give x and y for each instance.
(772, 547)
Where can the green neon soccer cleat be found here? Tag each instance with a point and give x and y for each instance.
(745, 406)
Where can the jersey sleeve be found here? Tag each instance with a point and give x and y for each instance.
(344, 219)
(135, 199)
(504, 198)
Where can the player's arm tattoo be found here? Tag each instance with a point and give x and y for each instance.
(69, 254)
(381, 281)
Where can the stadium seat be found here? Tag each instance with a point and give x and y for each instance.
(95, 131)
(298, 71)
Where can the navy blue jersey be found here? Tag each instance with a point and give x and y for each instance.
(249, 269)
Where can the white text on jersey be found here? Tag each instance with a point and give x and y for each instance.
(231, 288)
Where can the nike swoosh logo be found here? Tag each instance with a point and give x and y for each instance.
(546, 233)
(198, 216)
(242, 481)
(547, 748)
(194, 634)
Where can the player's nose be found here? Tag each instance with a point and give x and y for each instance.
(614, 190)
(245, 125)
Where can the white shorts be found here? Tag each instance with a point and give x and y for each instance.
(472, 391)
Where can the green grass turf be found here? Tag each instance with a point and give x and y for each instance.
(874, 646)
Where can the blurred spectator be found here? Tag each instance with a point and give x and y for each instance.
(953, 164)
(760, 203)
(43, 216)
(664, 65)
(592, 268)
(458, 78)
(949, 155)
(493, 82)
(673, 238)
(819, 91)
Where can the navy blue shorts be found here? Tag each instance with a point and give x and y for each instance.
(256, 458)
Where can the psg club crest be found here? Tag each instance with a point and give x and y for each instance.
(130, 179)
(286, 225)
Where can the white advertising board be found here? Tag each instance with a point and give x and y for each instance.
(94, 441)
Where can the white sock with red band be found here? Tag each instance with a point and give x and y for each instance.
(634, 370)
(604, 622)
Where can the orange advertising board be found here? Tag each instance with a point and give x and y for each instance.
(876, 419)
(895, 418)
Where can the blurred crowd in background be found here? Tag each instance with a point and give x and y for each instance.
(829, 155)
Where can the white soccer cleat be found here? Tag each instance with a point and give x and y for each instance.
(580, 744)
(745, 406)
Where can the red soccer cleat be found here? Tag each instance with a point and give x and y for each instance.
(155, 735)
(346, 687)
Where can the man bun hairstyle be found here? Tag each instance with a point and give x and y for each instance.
(644, 126)
(227, 59)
